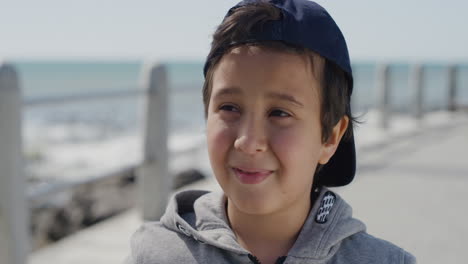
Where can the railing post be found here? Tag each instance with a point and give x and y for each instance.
(383, 91)
(452, 87)
(154, 182)
(417, 85)
(14, 213)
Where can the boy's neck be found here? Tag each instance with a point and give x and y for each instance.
(272, 235)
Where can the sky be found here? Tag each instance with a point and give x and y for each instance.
(398, 30)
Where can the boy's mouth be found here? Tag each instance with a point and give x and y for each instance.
(251, 176)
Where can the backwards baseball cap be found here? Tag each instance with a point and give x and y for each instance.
(306, 24)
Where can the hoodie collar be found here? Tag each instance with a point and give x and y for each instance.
(329, 222)
(202, 216)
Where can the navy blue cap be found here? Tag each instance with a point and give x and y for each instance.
(306, 24)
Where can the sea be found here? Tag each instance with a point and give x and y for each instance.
(66, 141)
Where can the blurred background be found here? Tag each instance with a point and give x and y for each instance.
(82, 70)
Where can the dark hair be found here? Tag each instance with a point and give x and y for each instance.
(234, 31)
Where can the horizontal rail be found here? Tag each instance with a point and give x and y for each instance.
(43, 191)
(47, 189)
(46, 100)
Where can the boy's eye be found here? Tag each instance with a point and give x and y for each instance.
(279, 113)
(229, 108)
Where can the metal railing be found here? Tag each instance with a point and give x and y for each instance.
(153, 178)
(48, 100)
(416, 84)
(50, 189)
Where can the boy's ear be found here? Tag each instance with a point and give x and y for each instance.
(329, 147)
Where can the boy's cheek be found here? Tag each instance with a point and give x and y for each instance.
(285, 147)
(219, 138)
(288, 140)
(293, 145)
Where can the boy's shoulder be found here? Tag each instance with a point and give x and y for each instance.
(177, 238)
(332, 234)
(364, 248)
(154, 243)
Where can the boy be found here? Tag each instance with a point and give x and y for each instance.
(277, 93)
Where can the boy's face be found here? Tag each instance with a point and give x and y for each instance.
(263, 129)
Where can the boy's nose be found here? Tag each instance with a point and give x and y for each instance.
(251, 138)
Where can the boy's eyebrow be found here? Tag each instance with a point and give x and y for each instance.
(234, 90)
(286, 97)
(228, 91)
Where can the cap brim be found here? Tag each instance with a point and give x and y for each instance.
(341, 168)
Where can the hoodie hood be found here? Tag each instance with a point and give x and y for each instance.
(202, 216)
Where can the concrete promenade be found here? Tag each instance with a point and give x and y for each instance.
(411, 189)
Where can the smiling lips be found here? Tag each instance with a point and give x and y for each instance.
(251, 176)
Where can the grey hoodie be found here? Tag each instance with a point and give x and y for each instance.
(194, 229)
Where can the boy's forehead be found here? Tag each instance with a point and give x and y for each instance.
(263, 50)
(277, 75)
(307, 65)
(270, 63)
(246, 54)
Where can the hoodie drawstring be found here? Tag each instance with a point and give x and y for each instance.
(255, 260)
